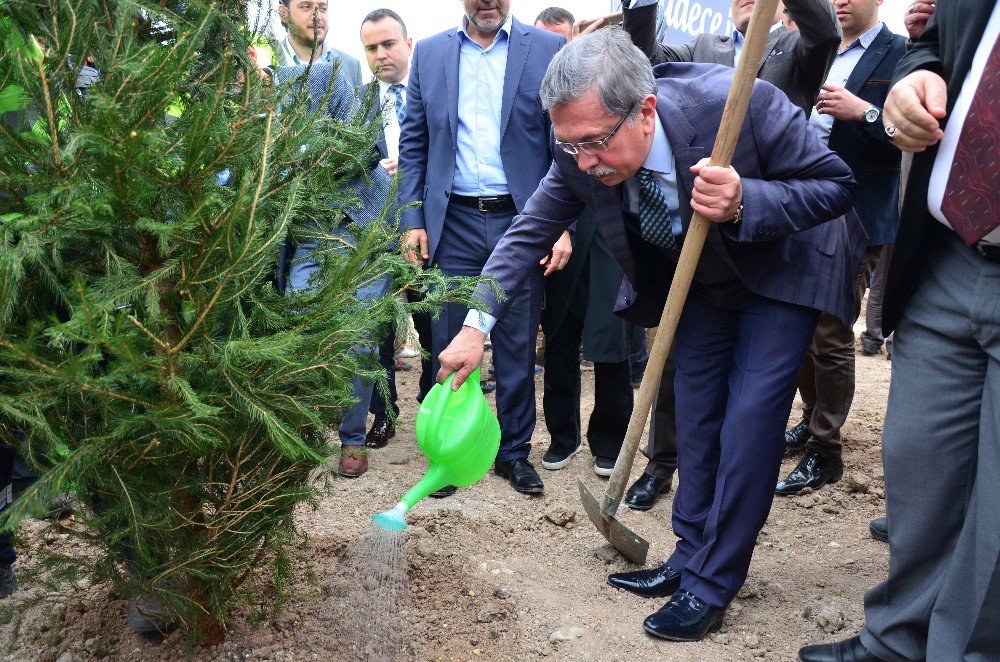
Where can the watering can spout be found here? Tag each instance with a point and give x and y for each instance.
(392, 519)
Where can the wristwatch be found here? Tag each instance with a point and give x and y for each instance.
(871, 115)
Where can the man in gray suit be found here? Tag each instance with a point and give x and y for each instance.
(796, 62)
(306, 22)
(634, 148)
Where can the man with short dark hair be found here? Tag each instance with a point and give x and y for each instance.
(847, 116)
(556, 19)
(388, 48)
(634, 148)
(306, 22)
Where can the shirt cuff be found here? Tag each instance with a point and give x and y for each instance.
(480, 320)
(635, 4)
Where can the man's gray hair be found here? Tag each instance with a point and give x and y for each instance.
(605, 61)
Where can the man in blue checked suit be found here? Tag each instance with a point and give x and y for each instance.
(473, 148)
(773, 261)
(298, 261)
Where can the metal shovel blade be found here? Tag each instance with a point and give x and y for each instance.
(628, 544)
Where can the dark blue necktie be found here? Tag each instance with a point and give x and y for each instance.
(397, 89)
(654, 212)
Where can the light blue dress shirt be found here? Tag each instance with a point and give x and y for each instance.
(478, 168)
(660, 161)
(738, 40)
(841, 69)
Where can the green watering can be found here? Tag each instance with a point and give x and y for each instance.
(459, 434)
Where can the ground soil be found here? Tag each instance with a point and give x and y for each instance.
(497, 575)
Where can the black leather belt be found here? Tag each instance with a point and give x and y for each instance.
(990, 251)
(493, 203)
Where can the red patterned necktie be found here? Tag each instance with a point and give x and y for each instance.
(972, 196)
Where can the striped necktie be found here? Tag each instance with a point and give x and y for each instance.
(397, 90)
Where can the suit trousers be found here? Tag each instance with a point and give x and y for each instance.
(826, 382)
(736, 376)
(562, 384)
(7, 455)
(468, 239)
(661, 447)
(386, 359)
(941, 452)
(303, 268)
(873, 311)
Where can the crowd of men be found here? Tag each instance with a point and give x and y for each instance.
(566, 164)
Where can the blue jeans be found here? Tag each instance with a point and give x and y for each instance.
(353, 427)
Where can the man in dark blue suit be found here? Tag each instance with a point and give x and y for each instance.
(474, 145)
(848, 116)
(772, 262)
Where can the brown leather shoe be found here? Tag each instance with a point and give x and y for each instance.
(353, 461)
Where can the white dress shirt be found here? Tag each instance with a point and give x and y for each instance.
(952, 132)
(390, 120)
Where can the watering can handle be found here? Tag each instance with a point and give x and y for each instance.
(448, 391)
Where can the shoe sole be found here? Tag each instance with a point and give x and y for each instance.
(561, 464)
(877, 536)
(715, 627)
(352, 474)
(605, 473)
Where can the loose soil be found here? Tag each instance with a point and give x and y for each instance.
(496, 575)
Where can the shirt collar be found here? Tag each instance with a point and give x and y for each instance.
(660, 159)
(504, 29)
(383, 86)
(738, 36)
(866, 39)
(322, 56)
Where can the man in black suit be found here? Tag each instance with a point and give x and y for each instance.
(848, 116)
(388, 48)
(941, 442)
(796, 62)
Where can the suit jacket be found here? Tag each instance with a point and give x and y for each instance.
(376, 115)
(795, 62)
(865, 148)
(350, 66)
(429, 135)
(786, 247)
(946, 48)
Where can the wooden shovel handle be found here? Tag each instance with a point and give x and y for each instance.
(694, 240)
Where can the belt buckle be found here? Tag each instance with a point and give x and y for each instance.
(481, 203)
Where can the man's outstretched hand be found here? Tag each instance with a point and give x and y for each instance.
(462, 355)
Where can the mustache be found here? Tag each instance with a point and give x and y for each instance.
(598, 171)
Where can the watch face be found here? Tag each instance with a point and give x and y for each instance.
(871, 115)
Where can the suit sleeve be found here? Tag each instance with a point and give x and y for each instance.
(803, 182)
(640, 23)
(413, 145)
(551, 209)
(819, 39)
(924, 54)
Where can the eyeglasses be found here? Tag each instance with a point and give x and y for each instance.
(591, 146)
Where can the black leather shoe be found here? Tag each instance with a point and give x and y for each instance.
(652, 583)
(521, 474)
(488, 385)
(445, 491)
(870, 347)
(796, 438)
(849, 650)
(646, 491)
(814, 471)
(879, 528)
(380, 433)
(684, 618)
